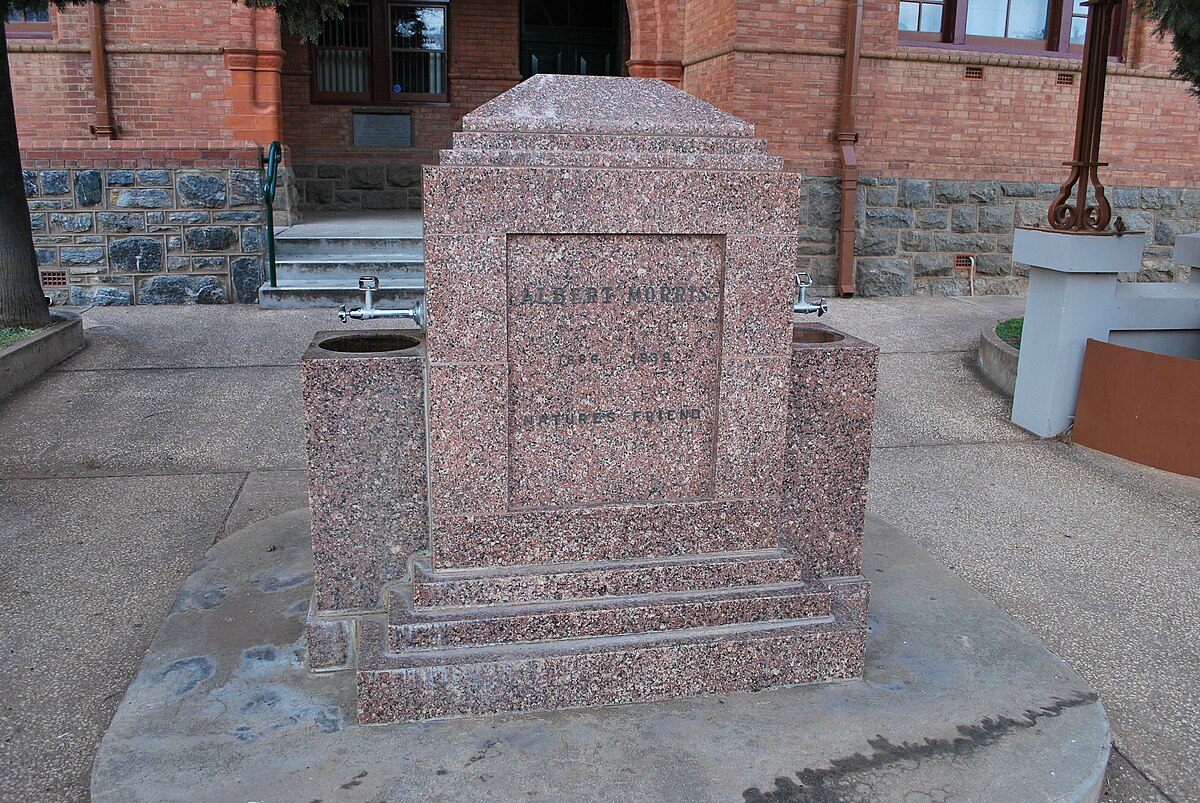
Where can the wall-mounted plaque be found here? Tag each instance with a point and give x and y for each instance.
(382, 130)
(614, 348)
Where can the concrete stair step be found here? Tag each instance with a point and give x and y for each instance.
(345, 272)
(411, 630)
(487, 587)
(308, 247)
(303, 296)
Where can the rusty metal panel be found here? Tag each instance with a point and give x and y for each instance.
(1141, 406)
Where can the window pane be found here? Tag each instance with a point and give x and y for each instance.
(1080, 8)
(418, 27)
(29, 16)
(418, 45)
(1027, 19)
(416, 72)
(1078, 30)
(343, 56)
(909, 13)
(343, 71)
(986, 17)
(931, 18)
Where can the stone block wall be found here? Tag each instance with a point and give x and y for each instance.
(355, 187)
(188, 235)
(910, 230)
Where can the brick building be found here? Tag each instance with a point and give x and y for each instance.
(142, 125)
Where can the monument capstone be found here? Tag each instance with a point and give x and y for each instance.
(639, 479)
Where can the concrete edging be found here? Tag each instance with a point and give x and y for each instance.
(26, 360)
(997, 361)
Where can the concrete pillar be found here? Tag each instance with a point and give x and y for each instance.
(1072, 283)
(1187, 252)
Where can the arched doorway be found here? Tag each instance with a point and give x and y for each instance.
(574, 37)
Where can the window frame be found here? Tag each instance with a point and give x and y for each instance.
(30, 30)
(1057, 43)
(379, 57)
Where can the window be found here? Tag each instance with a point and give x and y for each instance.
(575, 37)
(28, 24)
(1056, 26)
(381, 52)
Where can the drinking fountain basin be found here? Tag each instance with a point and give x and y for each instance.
(368, 343)
(815, 333)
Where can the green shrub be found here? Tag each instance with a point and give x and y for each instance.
(1010, 331)
(10, 336)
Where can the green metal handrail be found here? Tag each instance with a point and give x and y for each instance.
(271, 163)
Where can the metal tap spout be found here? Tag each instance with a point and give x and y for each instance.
(369, 284)
(803, 306)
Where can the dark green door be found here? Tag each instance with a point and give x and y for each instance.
(572, 37)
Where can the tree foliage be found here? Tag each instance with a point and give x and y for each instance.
(1179, 19)
(304, 17)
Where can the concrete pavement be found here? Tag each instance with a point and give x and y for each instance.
(177, 426)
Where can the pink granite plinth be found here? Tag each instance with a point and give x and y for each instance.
(610, 396)
(364, 426)
(831, 408)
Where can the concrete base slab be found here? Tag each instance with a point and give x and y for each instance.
(959, 703)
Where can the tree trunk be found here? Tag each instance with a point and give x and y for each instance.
(22, 302)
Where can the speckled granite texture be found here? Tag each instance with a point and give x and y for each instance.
(830, 413)
(470, 681)
(608, 346)
(330, 643)
(364, 426)
(610, 384)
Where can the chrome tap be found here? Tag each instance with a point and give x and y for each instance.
(369, 284)
(803, 305)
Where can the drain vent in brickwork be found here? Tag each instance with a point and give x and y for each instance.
(973, 73)
(1065, 79)
(966, 262)
(54, 278)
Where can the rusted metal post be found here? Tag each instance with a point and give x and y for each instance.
(846, 138)
(104, 126)
(1082, 216)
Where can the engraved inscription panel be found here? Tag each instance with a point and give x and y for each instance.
(614, 355)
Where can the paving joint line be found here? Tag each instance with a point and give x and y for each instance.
(229, 510)
(172, 368)
(135, 475)
(1030, 439)
(1141, 774)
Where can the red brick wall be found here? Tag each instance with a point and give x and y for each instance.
(174, 89)
(918, 116)
(774, 62)
(483, 47)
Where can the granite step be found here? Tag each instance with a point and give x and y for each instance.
(539, 584)
(576, 673)
(541, 141)
(632, 159)
(411, 630)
